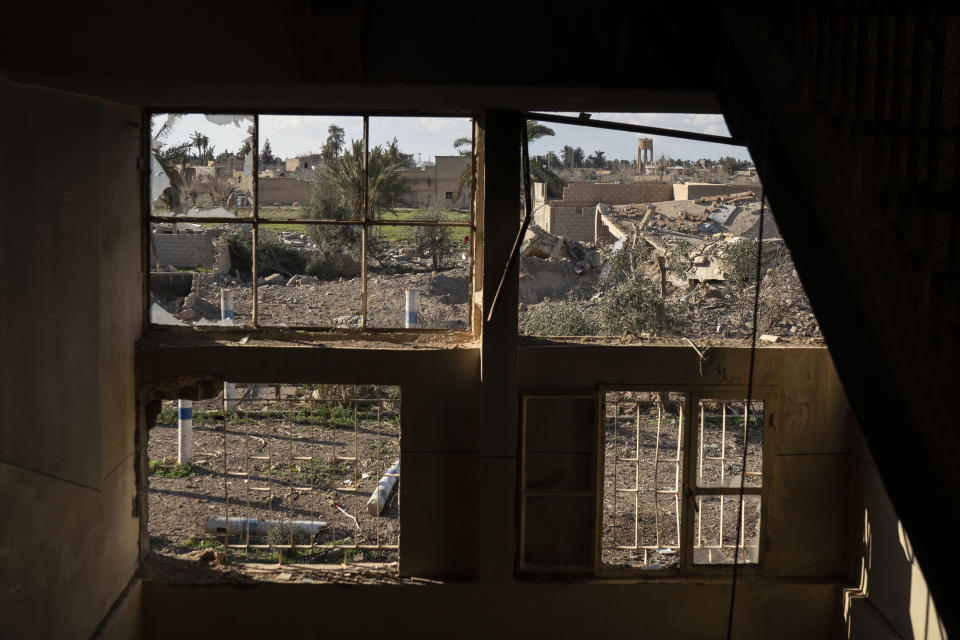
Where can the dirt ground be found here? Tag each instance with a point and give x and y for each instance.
(635, 518)
(310, 302)
(295, 458)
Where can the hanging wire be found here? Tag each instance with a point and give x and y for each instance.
(746, 409)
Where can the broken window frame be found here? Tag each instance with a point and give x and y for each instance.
(365, 222)
(689, 490)
(765, 397)
(688, 474)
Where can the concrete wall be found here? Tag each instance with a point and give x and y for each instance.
(612, 193)
(283, 190)
(805, 550)
(515, 610)
(889, 597)
(69, 528)
(694, 190)
(181, 249)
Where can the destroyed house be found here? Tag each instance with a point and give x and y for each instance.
(845, 500)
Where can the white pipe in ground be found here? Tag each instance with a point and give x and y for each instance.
(226, 313)
(185, 432)
(412, 308)
(240, 526)
(378, 499)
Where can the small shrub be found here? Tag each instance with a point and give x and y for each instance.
(678, 259)
(741, 258)
(626, 262)
(168, 416)
(434, 242)
(558, 318)
(272, 255)
(633, 306)
(275, 257)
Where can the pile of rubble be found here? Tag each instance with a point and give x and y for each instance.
(553, 267)
(697, 257)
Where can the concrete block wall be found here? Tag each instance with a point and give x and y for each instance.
(612, 193)
(574, 223)
(181, 249)
(694, 190)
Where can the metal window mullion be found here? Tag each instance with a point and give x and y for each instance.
(689, 474)
(365, 216)
(636, 480)
(723, 447)
(380, 470)
(677, 487)
(656, 469)
(254, 187)
(700, 450)
(356, 455)
(473, 228)
(246, 467)
(226, 494)
(616, 466)
(291, 487)
(314, 506)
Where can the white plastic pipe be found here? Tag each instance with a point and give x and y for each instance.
(226, 313)
(239, 526)
(185, 432)
(378, 499)
(412, 308)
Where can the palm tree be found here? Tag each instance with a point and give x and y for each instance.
(538, 172)
(464, 147)
(168, 157)
(578, 156)
(384, 186)
(537, 130)
(598, 160)
(198, 140)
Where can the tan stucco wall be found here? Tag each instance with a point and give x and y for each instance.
(283, 190)
(432, 183)
(888, 596)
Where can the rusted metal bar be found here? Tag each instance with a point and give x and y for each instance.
(200, 219)
(254, 190)
(363, 237)
(633, 128)
(528, 203)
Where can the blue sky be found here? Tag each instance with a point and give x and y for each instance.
(428, 137)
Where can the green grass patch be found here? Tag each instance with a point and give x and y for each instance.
(161, 470)
(168, 416)
(202, 543)
(323, 472)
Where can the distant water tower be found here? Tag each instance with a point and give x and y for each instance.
(644, 151)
